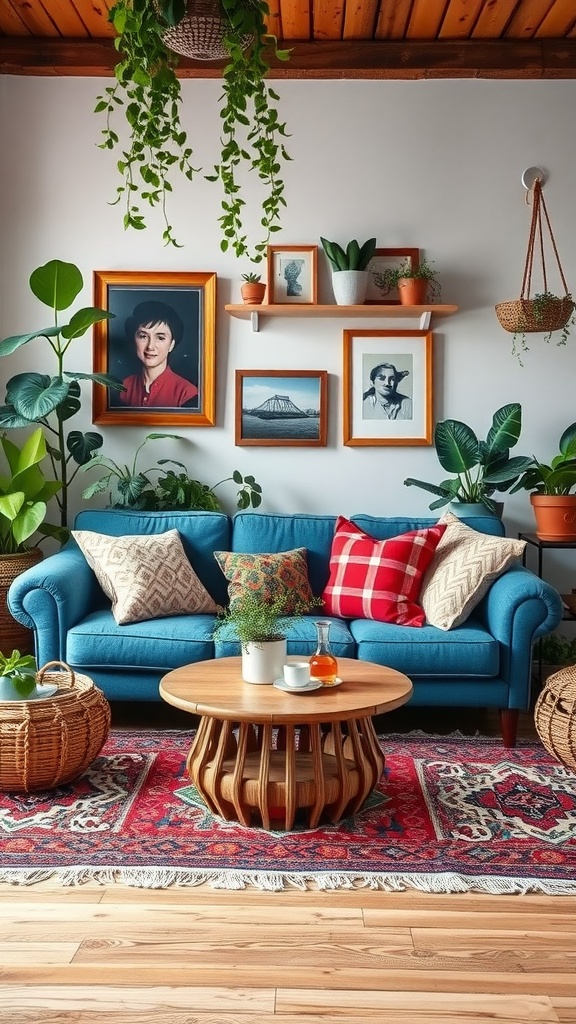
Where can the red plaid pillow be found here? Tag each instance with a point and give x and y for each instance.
(378, 579)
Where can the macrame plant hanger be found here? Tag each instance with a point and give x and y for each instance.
(544, 312)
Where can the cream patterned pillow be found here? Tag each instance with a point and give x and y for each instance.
(145, 577)
(464, 566)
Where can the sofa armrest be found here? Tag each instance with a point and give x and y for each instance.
(517, 610)
(52, 596)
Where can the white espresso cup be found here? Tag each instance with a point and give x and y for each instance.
(297, 673)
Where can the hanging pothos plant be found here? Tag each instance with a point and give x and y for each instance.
(147, 87)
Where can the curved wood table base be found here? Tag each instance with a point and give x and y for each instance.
(243, 771)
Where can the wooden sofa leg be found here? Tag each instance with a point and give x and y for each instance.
(509, 725)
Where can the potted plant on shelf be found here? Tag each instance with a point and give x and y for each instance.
(253, 290)
(33, 397)
(151, 36)
(131, 487)
(552, 490)
(24, 493)
(416, 284)
(349, 270)
(17, 676)
(480, 467)
(260, 627)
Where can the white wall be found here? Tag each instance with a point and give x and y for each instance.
(433, 164)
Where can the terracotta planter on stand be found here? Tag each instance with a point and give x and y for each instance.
(413, 290)
(13, 635)
(555, 516)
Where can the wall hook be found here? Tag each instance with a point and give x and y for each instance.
(532, 174)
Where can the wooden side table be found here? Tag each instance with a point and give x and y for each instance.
(261, 754)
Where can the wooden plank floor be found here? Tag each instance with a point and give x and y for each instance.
(119, 955)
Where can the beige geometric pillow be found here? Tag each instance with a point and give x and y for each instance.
(464, 566)
(144, 577)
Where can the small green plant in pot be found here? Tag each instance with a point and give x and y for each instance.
(480, 467)
(416, 283)
(253, 290)
(349, 269)
(17, 676)
(552, 486)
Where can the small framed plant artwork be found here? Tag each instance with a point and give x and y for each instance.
(387, 387)
(160, 343)
(379, 288)
(292, 274)
(282, 407)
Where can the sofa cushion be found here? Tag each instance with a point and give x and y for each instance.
(160, 644)
(281, 575)
(144, 577)
(464, 566)
(377, 579)
(468, 651)
(268, 531)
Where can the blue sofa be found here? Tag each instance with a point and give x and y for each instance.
(486, 662)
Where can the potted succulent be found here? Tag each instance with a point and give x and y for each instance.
(480, 467)
(33, 397)
(260, 628)
(17, 676)
(552, 490)
(253, 290)
(24, 493)
(416, 284)
(349, 269)
(151, 36)
(131, 487)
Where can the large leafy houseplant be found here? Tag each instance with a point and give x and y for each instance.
(556, 478)
(132, 487)
(480, 467)
(24, 492)
(251, 133)
(51, 401)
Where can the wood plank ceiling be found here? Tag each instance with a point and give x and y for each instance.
(330, 38)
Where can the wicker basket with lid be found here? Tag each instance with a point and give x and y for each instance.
(46, 742)
(555, 716)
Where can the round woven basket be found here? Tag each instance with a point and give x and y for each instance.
(201, 32)
(527, 316)
(49, 741)
(13, 635)
(555, 715)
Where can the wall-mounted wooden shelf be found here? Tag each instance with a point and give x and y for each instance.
(421, 314)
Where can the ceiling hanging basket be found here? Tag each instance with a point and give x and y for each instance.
(200, 35)
(545, 312)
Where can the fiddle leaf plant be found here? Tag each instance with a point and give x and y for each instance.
(147, 87)
(33, 397)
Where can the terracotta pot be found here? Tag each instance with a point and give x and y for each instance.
(413, 290)
(13, 635)
(253, 293)
(555, 516)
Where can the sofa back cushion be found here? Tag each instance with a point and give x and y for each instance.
(200, 532)
(384, 527)
(259, 532)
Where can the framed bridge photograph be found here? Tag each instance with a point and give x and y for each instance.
(281, 407)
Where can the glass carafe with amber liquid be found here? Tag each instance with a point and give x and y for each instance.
(323, 664)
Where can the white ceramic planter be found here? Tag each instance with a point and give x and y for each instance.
(263, 662)
(350, 287)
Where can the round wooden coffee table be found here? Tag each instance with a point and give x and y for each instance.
(261, 754)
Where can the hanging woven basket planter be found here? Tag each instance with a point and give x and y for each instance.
(544, 312)
(201, 32)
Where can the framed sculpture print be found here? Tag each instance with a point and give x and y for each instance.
(281, 407)
(160, 344)
(387, 387)
(379, 288)
(292, 274)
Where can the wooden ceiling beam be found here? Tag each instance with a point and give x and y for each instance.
(392, 59)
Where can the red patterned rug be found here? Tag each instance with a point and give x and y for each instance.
(451, 814)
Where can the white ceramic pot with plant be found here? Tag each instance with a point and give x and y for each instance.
(17, 676)
(350, 276)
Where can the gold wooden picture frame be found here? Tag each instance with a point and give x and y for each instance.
(160, 343)
(387, 382)
(292, 274)
(286, 408)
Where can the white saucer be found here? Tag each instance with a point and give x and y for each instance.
(43, 690)
(281, 685)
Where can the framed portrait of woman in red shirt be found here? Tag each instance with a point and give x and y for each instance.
(160, 343)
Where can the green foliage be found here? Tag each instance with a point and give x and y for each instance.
(557, 478)
(24, 492)
(21, 670)
(252, 620)
(251, 133)
(355, 257)
(51, 401)
(251, 278)
(423, 272)
(535, 312)
(481, 467)
(131, 487)
(558, 649)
